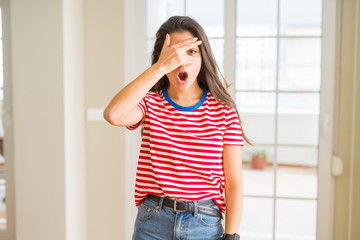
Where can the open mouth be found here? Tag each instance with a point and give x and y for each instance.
(182, 76)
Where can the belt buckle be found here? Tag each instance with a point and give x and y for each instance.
(176, 209)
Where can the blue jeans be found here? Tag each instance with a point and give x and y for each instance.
(157, 222)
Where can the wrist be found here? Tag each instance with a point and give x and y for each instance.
(160, 68)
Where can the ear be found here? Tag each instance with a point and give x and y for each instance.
(167, 41)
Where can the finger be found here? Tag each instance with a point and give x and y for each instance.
(187, 41)
(191, 45)
(191, 59)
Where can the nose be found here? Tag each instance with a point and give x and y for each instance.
(183, 66)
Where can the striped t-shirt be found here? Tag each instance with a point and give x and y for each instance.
(181, 151)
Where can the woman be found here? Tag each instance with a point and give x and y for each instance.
(192, 139)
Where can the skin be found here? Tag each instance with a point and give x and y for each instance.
(190, 93)
(180, 52)
(232, 164)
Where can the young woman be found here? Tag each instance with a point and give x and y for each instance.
(190, 168)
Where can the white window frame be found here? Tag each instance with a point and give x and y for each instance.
(136, 62)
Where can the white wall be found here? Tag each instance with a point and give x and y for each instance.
(104, 76)
(48, 131)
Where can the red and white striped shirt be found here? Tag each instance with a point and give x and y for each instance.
(181, 150)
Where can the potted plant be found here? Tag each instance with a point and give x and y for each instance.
(258, 159)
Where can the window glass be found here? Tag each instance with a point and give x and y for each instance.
(257, 228)
(256, 17)
(210, 15)
(298, 118)
(217, 46)
(256, 64)
(158, 11)
(300, 64)
(257, 111)
(300, 17)
(295, 219)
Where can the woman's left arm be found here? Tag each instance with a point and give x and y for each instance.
(232, 164)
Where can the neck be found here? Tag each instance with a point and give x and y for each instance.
(185, 96)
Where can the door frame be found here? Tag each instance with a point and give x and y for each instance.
(328, 108)
(135, 49)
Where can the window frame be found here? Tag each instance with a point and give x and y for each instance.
(135, 18)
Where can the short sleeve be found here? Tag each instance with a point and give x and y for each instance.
(142, 106)
(233, 132)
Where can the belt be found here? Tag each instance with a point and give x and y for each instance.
(204, 206)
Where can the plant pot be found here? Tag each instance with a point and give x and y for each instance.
(258, 161)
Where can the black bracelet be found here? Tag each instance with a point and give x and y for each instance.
(234, 236)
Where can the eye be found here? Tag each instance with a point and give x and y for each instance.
(193, 51)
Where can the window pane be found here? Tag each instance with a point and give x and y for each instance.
(217, 46)
(256, 64)
(158, 11)
(296, 181)
(256, 102)
(149, 50)
(300, 64)
(298, 118)
(295, 219)
(300, 156)
(252, 226)
(258, 181)
(211, 19)
(257, 111)
(299, 103)
(256, 17)
(300, 17)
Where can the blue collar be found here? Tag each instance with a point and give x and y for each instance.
(177, 106)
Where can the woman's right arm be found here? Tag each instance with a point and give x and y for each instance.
(122, 109)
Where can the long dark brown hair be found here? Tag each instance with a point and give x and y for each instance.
(209, 76)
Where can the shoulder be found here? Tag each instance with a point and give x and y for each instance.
(229, 112)
(218, 104)
(154, 96)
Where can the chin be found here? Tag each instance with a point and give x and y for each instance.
(183, 84)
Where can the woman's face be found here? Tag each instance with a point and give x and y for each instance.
(185, 76)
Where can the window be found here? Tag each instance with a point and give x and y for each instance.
(275, 61)
(278, 79)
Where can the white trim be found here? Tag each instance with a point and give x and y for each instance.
(74, 125)
(353, 120)
(135, 63)
(230, 45)
(326, 184)
(276, 117)
(337, 76)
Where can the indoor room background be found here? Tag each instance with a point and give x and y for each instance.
(293, 68)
